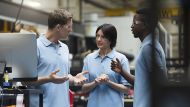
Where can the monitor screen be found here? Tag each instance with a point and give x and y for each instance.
(19, 51)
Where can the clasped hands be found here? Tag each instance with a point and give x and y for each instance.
(103, 78)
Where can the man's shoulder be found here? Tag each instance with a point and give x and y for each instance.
(63, 44)
(147, 46)
(39, 42)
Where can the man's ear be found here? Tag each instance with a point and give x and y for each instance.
(145, 26)
(58, 26)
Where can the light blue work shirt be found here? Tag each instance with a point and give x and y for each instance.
(104, 95)
(50, 57)
(142, 89)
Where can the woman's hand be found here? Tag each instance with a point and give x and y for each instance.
(103, 78)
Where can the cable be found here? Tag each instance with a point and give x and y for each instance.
(1, 97)
(13, 27)
(1, 87)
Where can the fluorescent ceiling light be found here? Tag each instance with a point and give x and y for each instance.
(32, 3)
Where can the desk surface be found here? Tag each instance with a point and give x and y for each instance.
(22, 91)
(26, 92)
(128, 100)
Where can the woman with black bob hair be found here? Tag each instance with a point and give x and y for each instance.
(109, 32)
(103, 84)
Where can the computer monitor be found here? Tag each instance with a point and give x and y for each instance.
(19, 52)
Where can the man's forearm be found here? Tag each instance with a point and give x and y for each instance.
(130, 78)
(40, 81)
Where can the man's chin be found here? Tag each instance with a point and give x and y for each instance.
(135, 36)
(65, 38)
(99, 47)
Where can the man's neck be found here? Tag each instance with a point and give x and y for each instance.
(51, 36)
(144, 35)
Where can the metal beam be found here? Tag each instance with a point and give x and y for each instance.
(10, 10)
(99, 5)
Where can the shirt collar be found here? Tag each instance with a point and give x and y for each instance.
(47, 43)
(147, 39)
(110, 55)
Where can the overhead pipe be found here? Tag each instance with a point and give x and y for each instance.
(95, 3)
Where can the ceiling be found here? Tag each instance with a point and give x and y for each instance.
(80, 8)
(102, 4)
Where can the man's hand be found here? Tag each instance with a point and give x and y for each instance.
(116, 66)
(103, 78)
(57, 80)
(80, 79)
